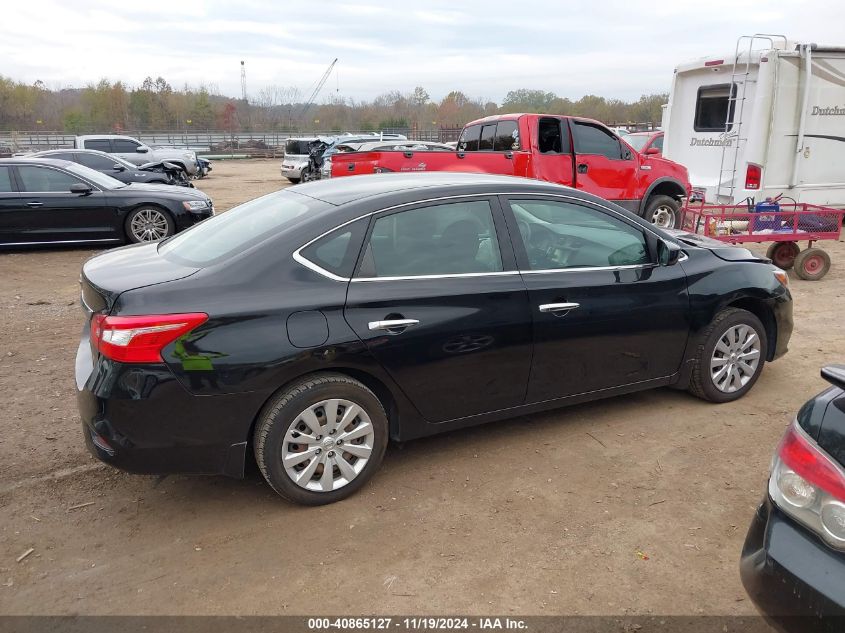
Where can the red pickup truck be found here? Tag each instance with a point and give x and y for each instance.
(572, 151)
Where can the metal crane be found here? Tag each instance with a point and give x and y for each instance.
(319, 87)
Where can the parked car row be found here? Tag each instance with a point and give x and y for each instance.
(44, 200)
(162, 173)
(304, 157)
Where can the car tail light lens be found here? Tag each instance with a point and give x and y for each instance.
(753, 176)
(140, 339)
(807, 484)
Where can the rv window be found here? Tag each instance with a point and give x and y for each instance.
(714, 108)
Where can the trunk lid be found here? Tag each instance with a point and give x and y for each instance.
(106, 276)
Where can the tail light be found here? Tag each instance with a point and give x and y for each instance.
(140, 339)
(807, 484)
(753, 176)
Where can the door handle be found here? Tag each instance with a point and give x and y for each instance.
(393, 326)
(35, 204)
(582, 168)
(558, 309)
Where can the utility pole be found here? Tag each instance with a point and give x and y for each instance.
(243, 81)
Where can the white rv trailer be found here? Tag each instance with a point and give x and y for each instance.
(768, 120)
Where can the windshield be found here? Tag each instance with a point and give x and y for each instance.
(637, 141)
(220, 237)
(98, 178)
(296, 147)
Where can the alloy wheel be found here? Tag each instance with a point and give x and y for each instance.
(149, 225)
(735, 358)
(328, 445)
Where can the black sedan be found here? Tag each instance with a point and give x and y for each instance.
(313, 324)
(44, 201)
(793, 561)
(162, 173)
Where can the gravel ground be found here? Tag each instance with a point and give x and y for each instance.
(634, 505)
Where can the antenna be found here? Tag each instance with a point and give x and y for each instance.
(243, 80)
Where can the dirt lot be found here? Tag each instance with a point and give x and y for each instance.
(635, 505)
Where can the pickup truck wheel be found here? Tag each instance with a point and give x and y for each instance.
(663, 211)
(149, 224)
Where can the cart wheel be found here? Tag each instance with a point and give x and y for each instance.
(812, 264)
(783, 254)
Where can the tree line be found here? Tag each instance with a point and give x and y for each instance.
(156, 105)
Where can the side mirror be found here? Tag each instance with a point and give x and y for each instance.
(80, 188)
(668, 253)
(142, 149)
(652, 151)
(118, 167)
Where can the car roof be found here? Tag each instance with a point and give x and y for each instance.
(26, 160)
(65, 150)
(339, 191)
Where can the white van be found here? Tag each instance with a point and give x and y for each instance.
(767, 120)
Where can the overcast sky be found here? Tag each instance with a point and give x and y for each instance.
(485, 48)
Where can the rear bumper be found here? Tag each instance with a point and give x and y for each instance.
(140, 419)
(794, 580)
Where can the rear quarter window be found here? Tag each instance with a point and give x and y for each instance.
(338, 251)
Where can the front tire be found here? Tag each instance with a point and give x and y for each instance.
(730, 356)
(663, 212)
(149, 224)
(321, 439)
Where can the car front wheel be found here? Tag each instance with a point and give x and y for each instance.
(730, 356)
(149, 224)
(321, 439)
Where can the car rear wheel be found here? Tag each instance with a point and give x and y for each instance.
(321, 439)
(663, 211)
(730, 356)
(149, 224)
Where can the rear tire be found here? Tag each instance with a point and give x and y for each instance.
(663, 212)
(730, 356)
(812, 264)
(340, 424)
(783, 254)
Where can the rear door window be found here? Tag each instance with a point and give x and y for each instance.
(507, 136)
(444, 239)
(469, 139)
(594, 139)
(100, 144)
(488, 133)
(6, 179)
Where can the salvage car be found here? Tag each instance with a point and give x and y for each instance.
(309, 326)
(134, 151)
(296, 163)
(408, 147)
(48, 201)
(161, 173)
(793, 560)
